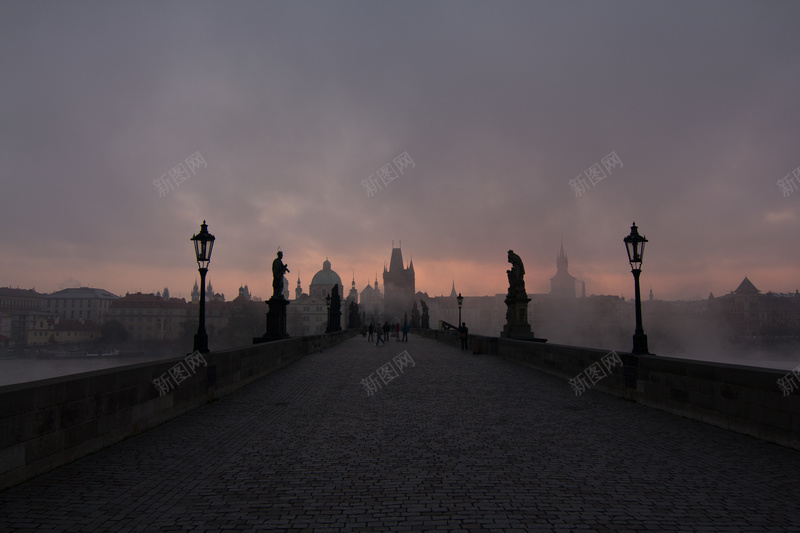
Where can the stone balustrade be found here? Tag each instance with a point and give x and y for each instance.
(45, 424)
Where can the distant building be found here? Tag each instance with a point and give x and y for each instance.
(371, 303)
(753, 315)
(218, 315)
(244, 294)
(352, 297)
(75, 304)
(323, 281)
(484, 315)
(20, 299)
(5, 329)
(562, 285)
(23, 306)
(399, 287)
(147, 317)
(442, 308)
(59, 330)
(306, 314)
(211, 296)
(285, 291)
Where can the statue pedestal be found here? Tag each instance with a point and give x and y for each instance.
(517, 326)
(276, 320)
(335, 322)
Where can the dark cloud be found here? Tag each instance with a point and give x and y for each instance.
(500, 105)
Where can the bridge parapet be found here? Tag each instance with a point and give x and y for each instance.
(47, 423)
(739, 398)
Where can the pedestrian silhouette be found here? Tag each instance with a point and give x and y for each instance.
(379, 339)
(463, 332)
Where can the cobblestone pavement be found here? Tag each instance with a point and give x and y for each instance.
(456, 442)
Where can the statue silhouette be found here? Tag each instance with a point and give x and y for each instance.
(516, 277)
(278, 270)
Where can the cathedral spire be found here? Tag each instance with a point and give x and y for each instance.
(563, 283)
(195, 292)
(561, 260)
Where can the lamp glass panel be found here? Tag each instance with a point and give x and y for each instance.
(210, 247)
(629, 248)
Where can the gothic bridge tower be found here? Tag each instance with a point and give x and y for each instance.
(399, 287)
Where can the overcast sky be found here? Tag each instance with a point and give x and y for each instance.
(499, 105)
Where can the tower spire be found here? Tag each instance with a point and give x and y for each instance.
(561, 260)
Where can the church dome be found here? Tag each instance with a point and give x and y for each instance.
(326, 276)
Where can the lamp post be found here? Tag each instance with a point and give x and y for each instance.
(460, 301)
(634, 243)
(203, 243)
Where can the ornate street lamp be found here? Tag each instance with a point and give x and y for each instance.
(460, 301)
(634, 243)
(203, 243)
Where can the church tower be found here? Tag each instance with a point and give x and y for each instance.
(399, 286)
(195, 293)
(562, 285)
(562, 263)
(244, 293)
(371, 301)
(353, 296)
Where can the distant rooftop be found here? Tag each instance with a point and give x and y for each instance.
(19, 293)
(151, 301)
(746, 287)
(83, 292)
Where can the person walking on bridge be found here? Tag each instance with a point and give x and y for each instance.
(380, 339)
(371, 331)
(463, 332)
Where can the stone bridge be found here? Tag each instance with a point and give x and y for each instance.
(416, 436)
